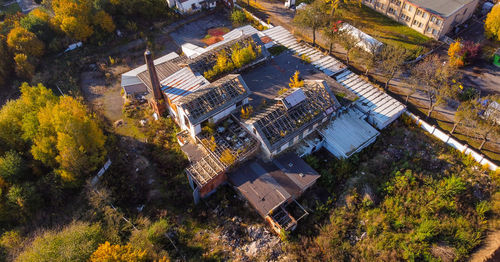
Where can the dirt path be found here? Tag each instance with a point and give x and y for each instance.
(487, 250)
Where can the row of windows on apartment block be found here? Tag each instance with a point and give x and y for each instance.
(408, 7)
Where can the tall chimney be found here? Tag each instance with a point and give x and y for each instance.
(157, 102)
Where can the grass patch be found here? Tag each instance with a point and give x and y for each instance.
(385, 29)
(488, 148)
(277, 49)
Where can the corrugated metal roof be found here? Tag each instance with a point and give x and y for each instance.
(442, 8)
(142, 68)
(163, 71)
(182, 83)
(238, 32)
(348, 133)
(381, 108)
(367, 42)
(327, 64)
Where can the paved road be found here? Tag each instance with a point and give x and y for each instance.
(27, 5)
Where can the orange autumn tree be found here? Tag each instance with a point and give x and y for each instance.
(23, 41)
(110, 253)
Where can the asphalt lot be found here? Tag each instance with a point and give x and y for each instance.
(266, 79)
(195, 31)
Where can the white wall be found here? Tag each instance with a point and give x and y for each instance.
(451, 141)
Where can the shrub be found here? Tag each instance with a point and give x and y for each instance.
(227, 157)
(238, 18)
(76, 242)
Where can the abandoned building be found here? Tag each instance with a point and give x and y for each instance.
(246, 127)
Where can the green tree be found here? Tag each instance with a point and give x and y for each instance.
(12, 167)
(312, 17)
(75, 242)
(5, 62)
(335, 4)
(492, 23)
(25, 198)
(238, 17)
(36, 23)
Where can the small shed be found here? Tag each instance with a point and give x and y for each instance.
(496, 58)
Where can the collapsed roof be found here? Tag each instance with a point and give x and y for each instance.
(206, 61)
(214, 98)
(282, 119)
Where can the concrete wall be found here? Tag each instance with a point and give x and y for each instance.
(451, 141)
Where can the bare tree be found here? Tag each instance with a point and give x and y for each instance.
(487, 130)
(486, 125)
(392, 60)
(411, 86)
(369, 56)
(332, 32)
(313, 17)
(466, 112)
(436, 79)
(349, 42)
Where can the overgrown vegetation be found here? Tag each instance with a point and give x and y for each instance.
(237, 58)
(407, 197)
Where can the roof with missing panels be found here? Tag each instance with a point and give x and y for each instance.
(207, 60)
(276, 124)
(214, 98)
(443, 8)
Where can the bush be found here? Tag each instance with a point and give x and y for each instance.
(238, 18)
(277, 49)
(76, 242)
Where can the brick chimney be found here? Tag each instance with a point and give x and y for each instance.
(157, 101)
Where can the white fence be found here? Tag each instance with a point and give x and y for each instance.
(451, 141)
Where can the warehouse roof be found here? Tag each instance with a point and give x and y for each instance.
(443, 8)
(269, 185)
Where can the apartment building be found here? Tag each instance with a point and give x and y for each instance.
(433, 18)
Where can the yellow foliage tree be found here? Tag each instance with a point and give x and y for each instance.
(23, 41)
(78, 18)
(246, 112)
(76, 29)
(105, 21)
(68, 139)
(492, 24)
(227, 157)
(117, 253)
(24, 68)
(39, 13)
(295, 81)
(453, 52)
